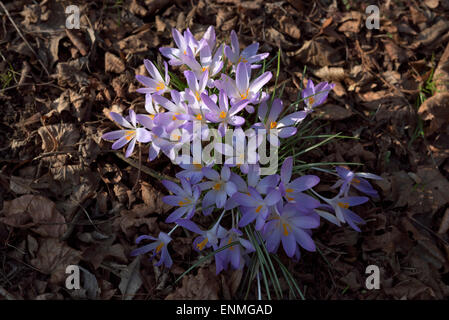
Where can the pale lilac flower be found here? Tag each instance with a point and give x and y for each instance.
(186, 46)
(222, 114)
(208, 62)
(155, 84)
(355, 179)
(221, 187)
(292, 191)
(186, 198)
(159, 246)
(291, 227)
(248, 55)
(207, 238)
(275, 128)
(177, 111)
(315, 95)
(340, 205)
(196, 85)
(241, 89)
(192, 171)
(242, 152)
(233, 255)
(131, 134)
(254, 207)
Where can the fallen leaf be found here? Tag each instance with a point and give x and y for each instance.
(131, 280)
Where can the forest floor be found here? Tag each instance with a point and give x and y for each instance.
(66, 199)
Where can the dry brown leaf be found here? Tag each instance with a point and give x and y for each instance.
(131, 280)
(53, 257)
(36, 212)
(289, 27)
(432, 34)
(432, 4)
(203, 286)
(316, 52)
(435, 109)
(333, 112)
(112, 63)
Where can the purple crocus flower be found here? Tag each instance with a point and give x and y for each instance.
(155, 84)
(186, 46)
(340, 205)
(158, 246)
(241, 88)
(233, 255)
(177, 111)
(314, 96)
(243, 151)
(208, 62)
(283, 128)
(186, 198)
(254, 207)
(192, 171)
(220, 185)
(248, 55)
(131, 134)
(222, 114)
(291, 227)
(349, 178)
(207, 238)
(292, 190)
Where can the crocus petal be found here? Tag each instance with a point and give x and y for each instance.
(120, 120)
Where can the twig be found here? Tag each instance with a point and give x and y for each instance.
(144, 169)
(50, 83)
(21, 35)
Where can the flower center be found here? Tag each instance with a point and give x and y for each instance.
(343, 205)
(311, 100)
(201, 245)
(197, 95)
(355, 180)
(159, 247)
(198, 166)
(229, 242)
(244, 95)
(184, 202)
(258, 208)
(289, 190)
(151, 116)
(286, 226)
(176, 137)
(199, 117)
(160, 86)
(217, 186)
(204, 69)
(241, 59)
(174, 116)
(273, 124)
(223, 115)
(130, 134)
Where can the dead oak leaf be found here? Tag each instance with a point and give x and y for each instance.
(36, 212)
(53, 257)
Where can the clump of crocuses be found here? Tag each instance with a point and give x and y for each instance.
(223, 98)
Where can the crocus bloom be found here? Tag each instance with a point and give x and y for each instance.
(234, 254)
(192, 170)
(158, 246)
(284, 127)
(340, 205)
(243, 151)
(186, 45)
(222, 114)
(206, 239)
(241, 88)
(254, 207)
(314, 96)
(155, 84)
(355, 179)
(291, 227)
(177, 111)
(131, 134)
(186, 198)
(292, 190)
(208, 62)
(248, 55)
(220, 186)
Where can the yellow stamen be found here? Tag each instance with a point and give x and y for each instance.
(311, 100)
(151, 116)
(356, 181)
(130, 134)
(223, 115)
(199, 117)
(273, 124)
(176, 137)
(198, 166)
(244, 95)
(258, 208)
(185, 51)
(343, 205)
(290, 198)
(185, 201)
(176, 114)
(229, 242)
(289, 190)
(159, 247)
(286, 226)
(201, 245)
(217, 186)
(197, 95)
(241, 59)
(160, 86)
(204, 69)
